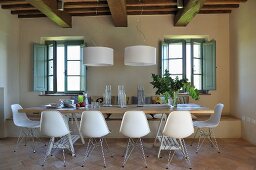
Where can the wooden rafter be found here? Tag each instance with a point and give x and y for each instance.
(49, 8)
(186, 14)
(9, 2)
(150, 2)
(24, 9)
(214, 11)
(118, 12)
(216, 2)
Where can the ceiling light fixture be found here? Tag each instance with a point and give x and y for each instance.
(98, 56)
(179, 4)
(140, 55)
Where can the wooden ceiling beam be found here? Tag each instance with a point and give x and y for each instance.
(216, 2)
(49, 8)
(118, 12)
(150, 12)
(84, 5)
(31, 16)
(222, 6)
(87, 1)
(81, 10)
(29, 12)
(151, 2)
(186, 14)
(150, 7)
(214, 11)
(24, 9)
(13, 6)
(19, 2)
(91, 14)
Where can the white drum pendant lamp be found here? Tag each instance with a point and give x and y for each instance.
(98, 56)
(140, 55)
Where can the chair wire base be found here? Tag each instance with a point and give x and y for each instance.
(27, 133)
(59, 144)
(181, 145)
(203, 134)
(130, 147)
(92, 143)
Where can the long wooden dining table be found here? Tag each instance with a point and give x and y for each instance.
(147, 108)
(152, 109)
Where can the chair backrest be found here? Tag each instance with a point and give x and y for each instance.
(19, 118)
(52, 124)
(215, 118)
(93, 124)
(134, 124)
(179, 125)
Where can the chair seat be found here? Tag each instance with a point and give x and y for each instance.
(202, 124)
(29, 124)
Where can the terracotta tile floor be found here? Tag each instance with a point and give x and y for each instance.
(235, 154)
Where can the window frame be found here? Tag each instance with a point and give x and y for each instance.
(82, 67)
(184, 43)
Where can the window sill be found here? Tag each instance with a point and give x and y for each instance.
(60, 94)
(200, 93)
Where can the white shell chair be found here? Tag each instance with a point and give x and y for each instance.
(205, 128)
(134, 125)
(94, 126)
(28, 128)
(53, 125)
(178, 126)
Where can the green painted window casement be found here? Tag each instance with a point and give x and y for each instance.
(194, 59)
(58, 67)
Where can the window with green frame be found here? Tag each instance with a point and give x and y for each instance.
(193, 59)
(58, 67)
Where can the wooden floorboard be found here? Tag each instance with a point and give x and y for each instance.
(236, 154)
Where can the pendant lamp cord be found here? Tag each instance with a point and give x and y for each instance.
(138, 22)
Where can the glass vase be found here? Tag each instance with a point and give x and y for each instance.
(175, 98)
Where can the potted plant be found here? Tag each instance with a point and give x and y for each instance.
(169, 87)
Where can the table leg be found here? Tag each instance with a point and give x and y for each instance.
(158, 129)
(77, 125)
(71, 145)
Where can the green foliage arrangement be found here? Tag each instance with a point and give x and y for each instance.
(169, 87)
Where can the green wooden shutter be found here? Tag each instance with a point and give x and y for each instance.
(209, 65)
(83, 69)
(164, 57)
(40, 67)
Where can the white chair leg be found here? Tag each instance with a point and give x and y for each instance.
(107, 147)
(186, 153)
(194, 137)
(18, 140)
(33, 140)
(102, 151)
(86, 152)
(213, 139)
(64, 158)
(128, 151)
(143, 153)
(49, 150)
(170, 158)
(201, 139)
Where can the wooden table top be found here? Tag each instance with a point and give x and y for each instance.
(148, 109)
